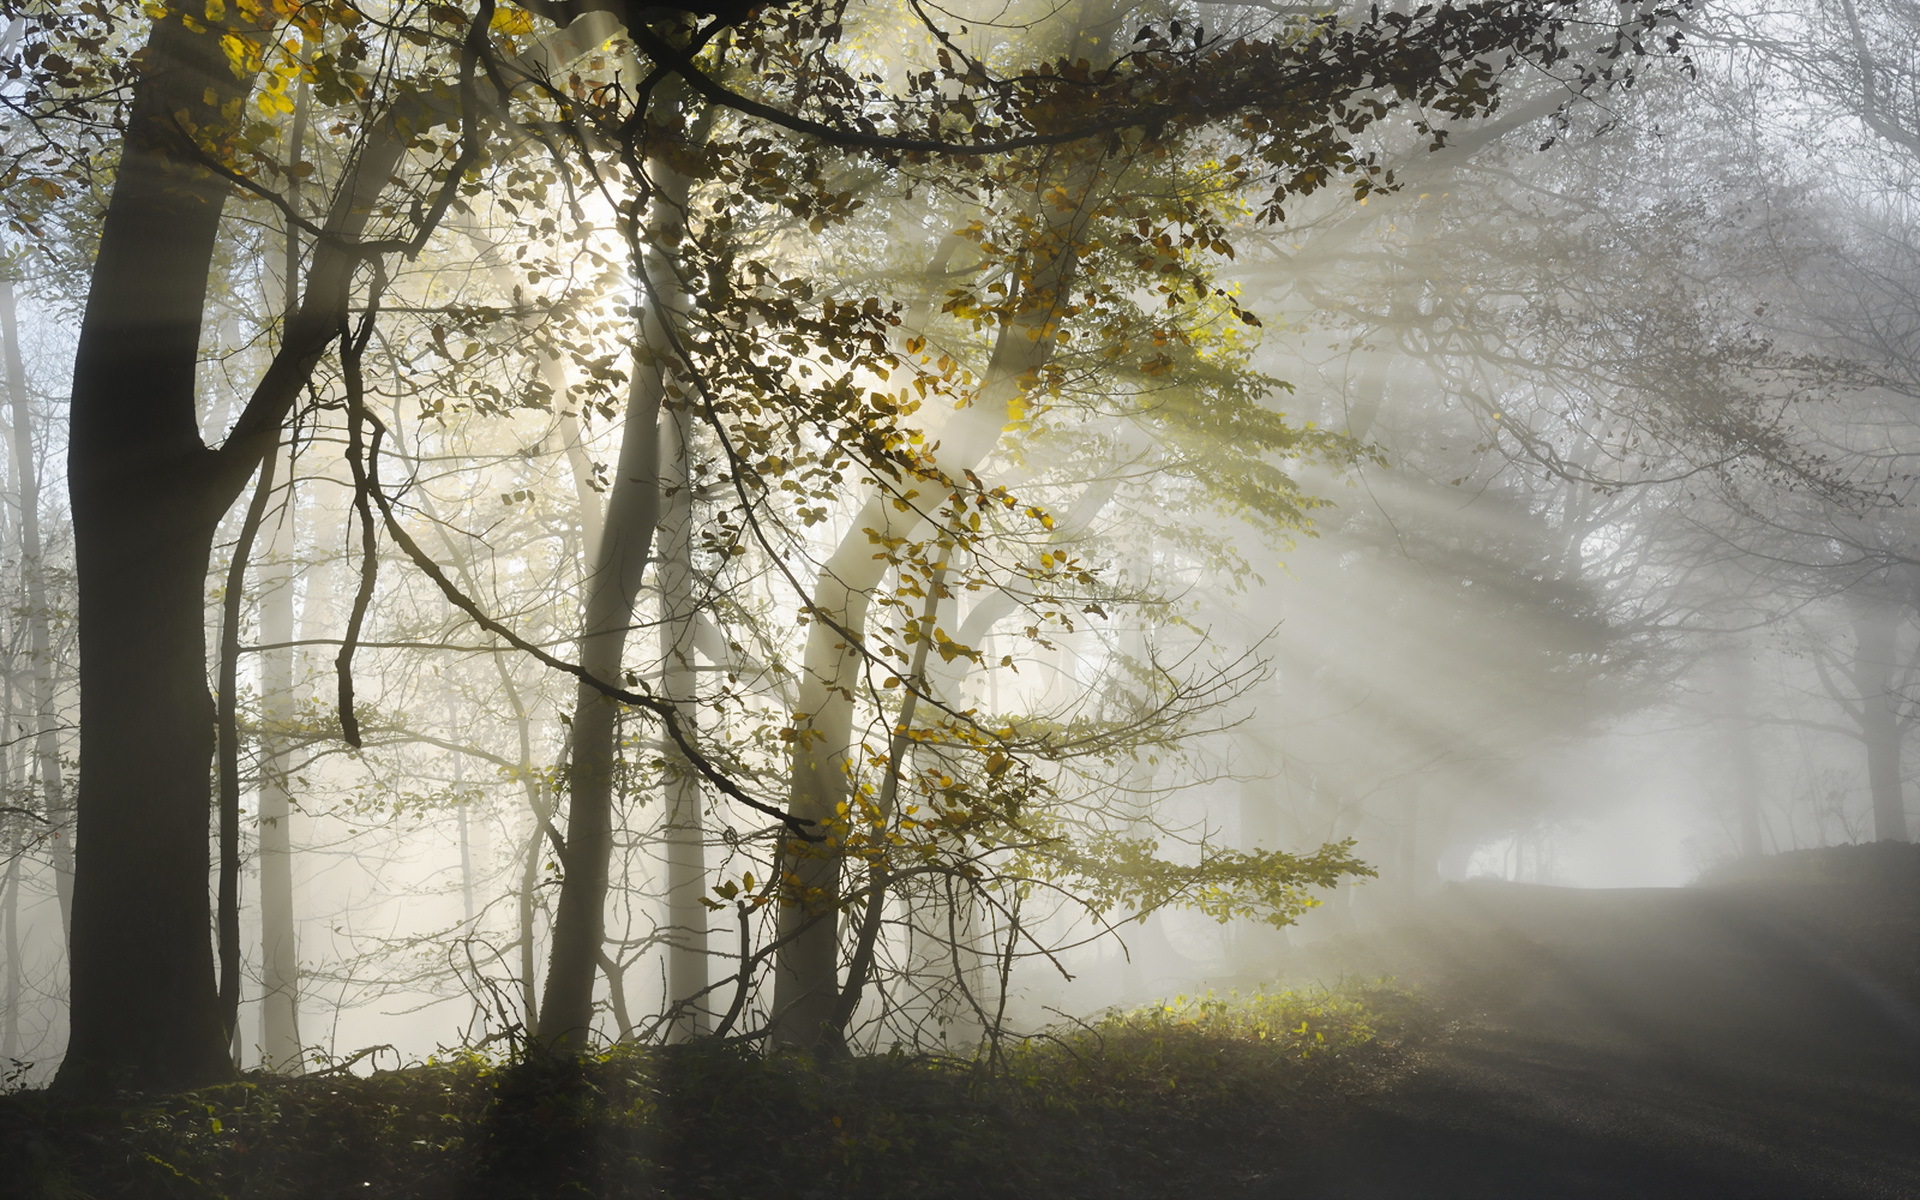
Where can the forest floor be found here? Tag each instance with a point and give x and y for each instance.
(1755, 1036)
(1758, 1036)
(1192, 1097)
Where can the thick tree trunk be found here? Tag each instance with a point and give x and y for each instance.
(146, 498)
(147, 494)
(1876, 628)
(144, 1008)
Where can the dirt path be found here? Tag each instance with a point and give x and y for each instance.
(1640, 1043)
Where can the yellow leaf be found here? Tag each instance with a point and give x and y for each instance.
(512, 21)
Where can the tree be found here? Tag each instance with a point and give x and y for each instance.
(148, 492)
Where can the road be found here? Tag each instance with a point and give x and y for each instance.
(1672, 1042)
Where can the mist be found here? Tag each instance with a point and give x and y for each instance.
(986, 537)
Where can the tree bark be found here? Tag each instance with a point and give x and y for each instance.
(147, 496)
(145, 503)
(227, 741)
(280, 1047)
(10, 929)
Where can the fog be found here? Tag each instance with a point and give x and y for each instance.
(989, 590)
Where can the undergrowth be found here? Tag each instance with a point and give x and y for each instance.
(1177, 1098)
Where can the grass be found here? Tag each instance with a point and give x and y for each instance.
(1187, 1097)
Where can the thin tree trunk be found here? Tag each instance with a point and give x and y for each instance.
(16, 850)
(542, 809)
(619, 566)
(46, 743)
(633, 507)
(1412, 884)
(1743, 774)
(10, 1011)
(879, 879)
(532, 785)
(683, 829)
(227, 913)
(460, 809)
(280, 1046)
(524, 910)
(1876, 627)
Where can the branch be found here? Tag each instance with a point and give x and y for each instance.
(366, 476)
(669, 719)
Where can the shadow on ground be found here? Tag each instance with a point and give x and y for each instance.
(1753, 1039)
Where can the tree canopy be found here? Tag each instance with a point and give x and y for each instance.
(858, 356)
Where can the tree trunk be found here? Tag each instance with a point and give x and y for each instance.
(146, 500)
(619, 566)
(144, 1007)
(147, 496)
(10, 929)
(683, 828)
(524, 909)
(227, 741)
(633, 510)
(806, 971)
(1876, 628)
(1415, 863)
(280, 1047)
(1743, 774)
(46, 743)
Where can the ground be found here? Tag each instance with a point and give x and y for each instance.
(1754, 1037)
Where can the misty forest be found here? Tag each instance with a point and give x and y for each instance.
(1105, 598)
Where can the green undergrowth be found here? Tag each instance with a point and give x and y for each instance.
(1190, 1097)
